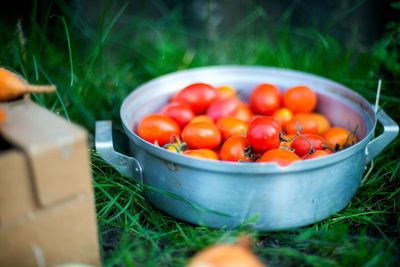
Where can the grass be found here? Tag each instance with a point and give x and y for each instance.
(95, 66)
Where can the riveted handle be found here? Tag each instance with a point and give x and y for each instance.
(126, 165)
(390, 131)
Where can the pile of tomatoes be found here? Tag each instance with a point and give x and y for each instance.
(213, 123)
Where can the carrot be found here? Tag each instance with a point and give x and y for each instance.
(13, 86)
(2, 115)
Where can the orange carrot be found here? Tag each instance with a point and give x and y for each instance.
(13, 86)
(2, 115)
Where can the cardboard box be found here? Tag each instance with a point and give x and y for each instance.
(47, 212)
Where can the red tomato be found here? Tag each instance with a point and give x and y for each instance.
(316, 154)
(198, 96)
(282, 157)
(337, 136)
(265, 99)
(223, 108)
(229, 126)
(179, 112)
(283, 115)
(233, 149)
(263, 133)
(302, 147)
(306, 121)
(201, 135)
(160, 128)
(300, 99)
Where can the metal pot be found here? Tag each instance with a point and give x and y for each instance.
(218, 194)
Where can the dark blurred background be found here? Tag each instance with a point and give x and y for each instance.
(343, 19)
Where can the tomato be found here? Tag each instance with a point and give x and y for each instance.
(223, 108)
(225, 92)
(289, 143)
(179, 112)
(233, 149)
(306, 121)
(316, 154)
(263, 133)
(283, 115)
(173, 147)
(229, 126)
(157, 127)
(202, 118)
(282, 157)
(337, 136)
(243, 112)
(302, 147)
(211, 154)
(198, 96)
(265, 99)
(322, 121)
(195, 153)
(201, 135)
(300, 99)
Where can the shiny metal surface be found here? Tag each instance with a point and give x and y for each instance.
(218, 194)
(126, 165)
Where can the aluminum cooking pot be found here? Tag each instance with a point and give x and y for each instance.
(217, 193)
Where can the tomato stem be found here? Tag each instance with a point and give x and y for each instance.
(326, 146)
(287, 148)
(283, 136)
(352, 133)
(249, 152)
(312, 150)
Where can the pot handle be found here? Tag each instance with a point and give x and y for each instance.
(390, 131)
(126, 165)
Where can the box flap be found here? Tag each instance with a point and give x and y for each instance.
(56, 150)
(16, 195)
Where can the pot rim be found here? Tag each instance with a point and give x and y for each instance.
(245, 167)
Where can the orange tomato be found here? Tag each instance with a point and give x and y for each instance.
(243, 112)
(305, 120)
(225, 92)
(300, 99)
(283, 115)
(233, 149)
(211, 154)
(195, 153)
(202, 118)
(282, 157)
(160, 128)
(316, 154)
(201, 135)
(337, 136)
(289, 143)
(173, 147)
(322, 121)
(230, 126)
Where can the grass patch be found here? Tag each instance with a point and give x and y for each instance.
(95, 64)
